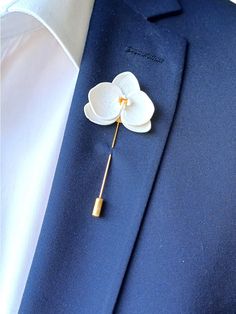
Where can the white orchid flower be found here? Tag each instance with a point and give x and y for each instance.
(123, 101)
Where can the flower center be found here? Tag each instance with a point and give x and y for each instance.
(123, 101)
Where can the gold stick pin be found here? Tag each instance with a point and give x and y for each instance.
(99, 200)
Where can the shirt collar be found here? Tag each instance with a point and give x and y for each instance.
(63, 19)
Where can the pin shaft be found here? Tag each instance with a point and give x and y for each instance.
(115, 134)
(99, 200)
(105, 175)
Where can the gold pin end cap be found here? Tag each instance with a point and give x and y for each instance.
(97, 207)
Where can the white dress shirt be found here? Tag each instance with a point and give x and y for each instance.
(42, 45)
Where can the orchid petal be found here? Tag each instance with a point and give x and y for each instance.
(94, 118)
(127, 82)
(139, 129)
(104, 100)
(140, 110)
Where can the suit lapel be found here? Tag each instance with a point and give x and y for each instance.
(91, 255)
(153, 9)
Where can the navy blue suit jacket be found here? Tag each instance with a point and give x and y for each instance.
(166, 241)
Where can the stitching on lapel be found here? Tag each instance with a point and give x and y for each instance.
(146, 55)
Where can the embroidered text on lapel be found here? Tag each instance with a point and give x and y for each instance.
(121, 101)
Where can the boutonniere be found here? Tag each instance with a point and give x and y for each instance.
(120, 102)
